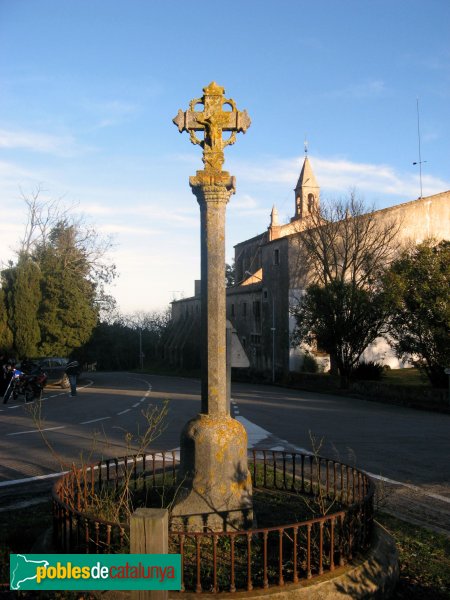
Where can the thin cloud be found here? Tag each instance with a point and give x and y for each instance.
(438, 61)
(338, 175)
(112, 112)
(431, 136)
(245, 202)
(360, 91)
(113, 228)
(157, 214)
(188, 159)
(16, 181)
(95, 209)
(150, 275)
(40, 142)
(173, 215)
(246, 205)
(12, 171)
(268, 170)
(10, 234)
(116, 110)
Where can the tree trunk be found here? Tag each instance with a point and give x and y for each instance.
(334, 369)
(345, 381)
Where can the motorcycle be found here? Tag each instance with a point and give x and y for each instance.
(29, 384)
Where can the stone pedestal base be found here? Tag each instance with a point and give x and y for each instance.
(215, 484)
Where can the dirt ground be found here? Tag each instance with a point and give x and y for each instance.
(428, 507)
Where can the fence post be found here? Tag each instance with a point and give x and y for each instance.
(149, 534)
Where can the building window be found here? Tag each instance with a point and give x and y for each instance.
(310, 202)
(244, 342)
(265, 294)
(232, 310)
(244, 309)
(276, 256)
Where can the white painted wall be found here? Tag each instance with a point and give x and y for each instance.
(380, 351)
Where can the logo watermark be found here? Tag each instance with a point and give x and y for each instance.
(95, 572)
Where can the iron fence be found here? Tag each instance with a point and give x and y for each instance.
(261, 557)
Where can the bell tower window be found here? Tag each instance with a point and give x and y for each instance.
(307, 193)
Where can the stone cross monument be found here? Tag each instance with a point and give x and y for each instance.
(216, 490)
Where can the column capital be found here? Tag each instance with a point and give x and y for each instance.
(212, 189)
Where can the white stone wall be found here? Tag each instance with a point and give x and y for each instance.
(295, 354)
(380, 351)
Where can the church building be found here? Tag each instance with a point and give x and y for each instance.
(269, 281)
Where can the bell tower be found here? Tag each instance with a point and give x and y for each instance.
(306, 191)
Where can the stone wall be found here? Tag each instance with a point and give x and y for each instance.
(421, 219)
(275, 266)
(247, 256)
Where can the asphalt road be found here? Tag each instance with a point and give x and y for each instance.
(42, 438)
(405, 445)
(397, 442)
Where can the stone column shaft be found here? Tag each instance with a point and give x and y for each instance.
(213, 200)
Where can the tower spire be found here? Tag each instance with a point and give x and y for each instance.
(274, 217)
(274, 227)
(307, 190)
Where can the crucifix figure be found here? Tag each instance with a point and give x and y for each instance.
(213, 121)
(213, 474)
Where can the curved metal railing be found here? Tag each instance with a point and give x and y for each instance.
(339, 496)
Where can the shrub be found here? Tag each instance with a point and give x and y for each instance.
(310, 364)
(368, 371)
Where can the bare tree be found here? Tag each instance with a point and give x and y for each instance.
(152, 321)
(340, 260)
(42, 214)
(346, 241)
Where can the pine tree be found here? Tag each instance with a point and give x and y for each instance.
(6, 338)
(67, 312)
(25, 297)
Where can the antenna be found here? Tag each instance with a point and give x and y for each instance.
(420, 161)
(306, 146)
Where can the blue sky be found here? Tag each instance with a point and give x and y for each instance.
(88, 90)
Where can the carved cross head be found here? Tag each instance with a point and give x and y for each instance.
(219, 115)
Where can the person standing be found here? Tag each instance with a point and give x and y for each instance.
(3, 373)
(73, 370)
